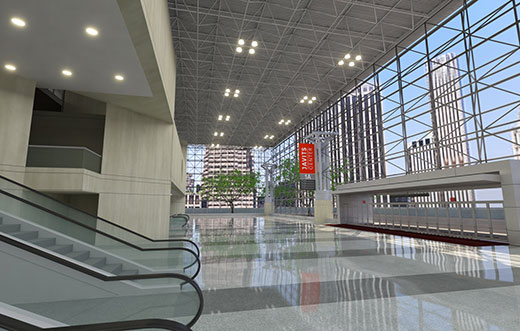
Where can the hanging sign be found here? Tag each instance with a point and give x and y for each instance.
(307, 164)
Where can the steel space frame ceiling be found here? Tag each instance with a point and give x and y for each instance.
(300, 44)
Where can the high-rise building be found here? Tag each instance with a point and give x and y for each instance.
(221, 160)
(362, 130)
(448, 125)
(515, 136)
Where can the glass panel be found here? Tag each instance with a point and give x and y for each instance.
(35, 285)
(78, 237)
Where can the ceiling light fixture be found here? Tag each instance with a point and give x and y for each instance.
(228, 90)
(220, 117)
(237, 91)
(266, 136)
(251, 51)
(358, 57)
(281, 122)
(217, 146)
(351, 64)
(119, 77)
(18, 22)
(287, 122)
(226, 94)
(310, 101)
(91, 31)
(235, 95)
(66, 72)
(313, 98)
(347, 56)
(228, 117)
(10, 67)
(341, 62)
(254, 43)
(241, 42)
(302, 101)
(215, 134)
(239, 49)
(305, 97)
(271, 137)
(222, 134)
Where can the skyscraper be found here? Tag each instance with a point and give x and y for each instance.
(362, 134)
(448, 126)
(221, 160)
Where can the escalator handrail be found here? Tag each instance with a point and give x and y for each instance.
(183, 216)
(14, 324)
(100, 218)
(197, 259)
(98, 275)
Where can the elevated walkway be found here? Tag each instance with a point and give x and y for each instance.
(502, 174)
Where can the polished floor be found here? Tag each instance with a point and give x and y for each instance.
(281, 274)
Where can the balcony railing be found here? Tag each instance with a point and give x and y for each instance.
(63, 157)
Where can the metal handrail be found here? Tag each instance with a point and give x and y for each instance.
(197, 259)
(13, 324)
(100, 218)
(100, 276)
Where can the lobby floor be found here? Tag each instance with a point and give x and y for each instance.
(281, 274)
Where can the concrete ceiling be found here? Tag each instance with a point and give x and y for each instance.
(300, 44)
(54, 38)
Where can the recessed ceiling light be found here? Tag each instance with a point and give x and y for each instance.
(218, 145)
(66, 72)
(310, 101)
(341, 62)
(305, 97)
(235, 95)
(302, 101)
(251, 51)
(313, 98)
(281, 121)
(351, 64)
(237, 91)
(254, 43)
(358, 57)
(222, 134)
(212, 145)
(228, 90)
(226, 94)
(227, 118)
(119, 77)
(266, 136)
(239, 49)
(91, 31)
(18, 22)
(271, 137)
(241, 42)
(215, 134)
(220, 117)
(10, 67)
(347, 56)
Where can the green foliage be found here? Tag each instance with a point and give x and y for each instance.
(229, 187)
(337, 174)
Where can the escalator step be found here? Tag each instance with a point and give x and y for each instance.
(113, 268)
(25, 235)
(127, 272)
(43, 242)
(62, 249)
(79, 255)
(8, 228)
(96, 261)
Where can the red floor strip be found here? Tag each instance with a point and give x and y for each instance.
(451, 240)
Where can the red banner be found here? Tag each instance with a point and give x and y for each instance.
(306, 158)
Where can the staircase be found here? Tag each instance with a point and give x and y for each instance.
(29, 235)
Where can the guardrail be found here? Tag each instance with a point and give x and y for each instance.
(63, 157)
(474, 219)
(192, 211)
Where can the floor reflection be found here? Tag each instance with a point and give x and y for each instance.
(313, 276)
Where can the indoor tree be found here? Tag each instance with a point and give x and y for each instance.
(229, 187)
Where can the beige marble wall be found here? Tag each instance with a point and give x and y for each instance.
(16, 103)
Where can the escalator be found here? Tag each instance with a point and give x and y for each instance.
(43, 291)
(38, 219)
(64, 269)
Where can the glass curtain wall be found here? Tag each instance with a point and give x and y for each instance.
(450, 99)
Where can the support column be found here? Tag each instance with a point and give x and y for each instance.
(511, 193)
(323, 209)
(269, 188)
